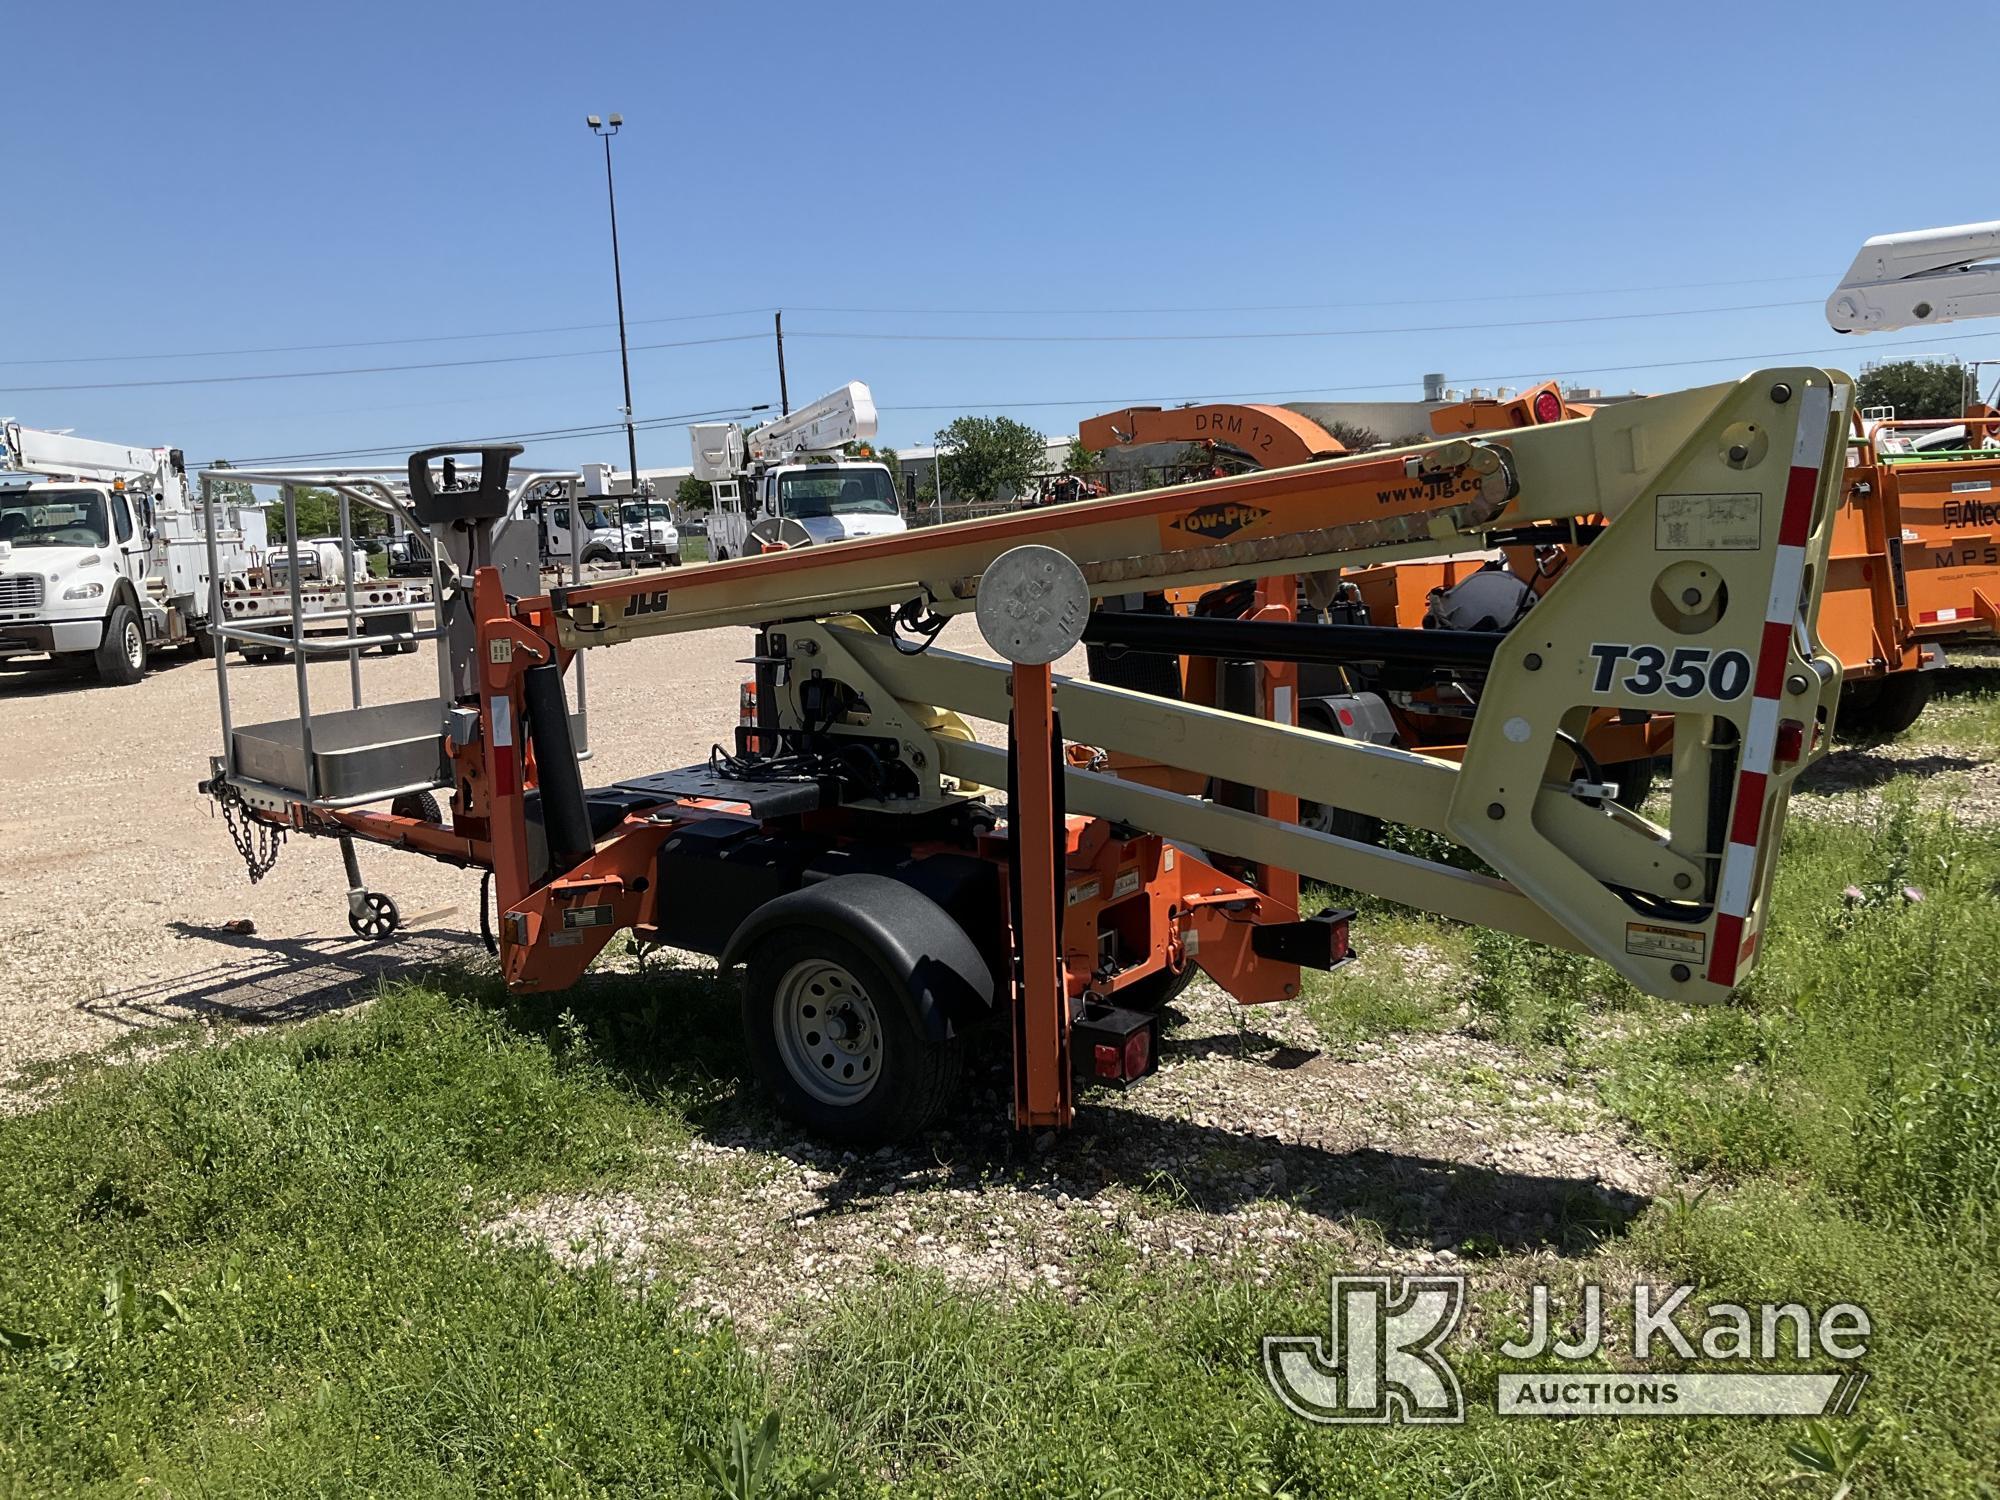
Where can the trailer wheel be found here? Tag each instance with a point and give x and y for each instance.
(1884, 707)
(378, 918)
(831, 1036)
(1156, 991)
(1342, 822)
(121, 655)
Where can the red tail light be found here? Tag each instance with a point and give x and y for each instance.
(1548, 407)
(1126, 1061)
(1791, 742)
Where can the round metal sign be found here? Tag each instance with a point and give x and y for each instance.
(1032, 605)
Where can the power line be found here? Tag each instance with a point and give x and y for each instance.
(546, 435)
(442, 364)
(865, 336)
(1109, 403)
(978, 312)
(428, 338)
(1074, 312)
(1290, 333)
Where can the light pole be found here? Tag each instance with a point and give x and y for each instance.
(605, 131)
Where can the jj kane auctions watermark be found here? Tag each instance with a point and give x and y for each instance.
(1382, 1358)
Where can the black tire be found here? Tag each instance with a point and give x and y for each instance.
(1156, 991)
(1341, 822)
(379, 918)
(423, 806)
(1884, 707)
(121, 656)
(388, 625)
(1635, 780)
(882, 1080)
(721, 555)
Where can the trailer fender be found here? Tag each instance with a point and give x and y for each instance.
(949, 982)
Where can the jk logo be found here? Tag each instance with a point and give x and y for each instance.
(1381, 1361)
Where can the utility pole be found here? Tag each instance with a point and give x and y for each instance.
(784, 396)
(605, 131)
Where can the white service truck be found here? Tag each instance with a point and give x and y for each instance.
(784, 484)
(601, 519)
(103, 555)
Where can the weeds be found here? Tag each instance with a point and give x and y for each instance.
(257, 1268)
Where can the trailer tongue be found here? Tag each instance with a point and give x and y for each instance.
(851, 850)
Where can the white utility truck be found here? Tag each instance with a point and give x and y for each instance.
(785, 484)
(602, 520)
(103, 558)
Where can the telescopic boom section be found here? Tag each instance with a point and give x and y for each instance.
(1698, 600)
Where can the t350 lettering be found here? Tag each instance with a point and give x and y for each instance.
(1685, 672)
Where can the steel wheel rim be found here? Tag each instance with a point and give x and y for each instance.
(829, 1032)
(1316, 817)
(135, 645)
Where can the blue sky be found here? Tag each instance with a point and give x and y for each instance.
(224, 177)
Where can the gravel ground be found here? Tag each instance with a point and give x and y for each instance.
(1250, 1146)
(118, 878)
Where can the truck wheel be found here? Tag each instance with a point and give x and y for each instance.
(390, 623)
(1885, 707)
(121, 655)
(832, 1038)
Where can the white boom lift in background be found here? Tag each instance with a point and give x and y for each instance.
(1918, 278)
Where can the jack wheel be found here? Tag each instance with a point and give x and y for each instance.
(378, 919)
(423, 806)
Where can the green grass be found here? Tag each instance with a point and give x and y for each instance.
(256, 1268)
(1964, 711)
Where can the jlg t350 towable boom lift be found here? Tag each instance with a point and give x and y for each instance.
(886, 904)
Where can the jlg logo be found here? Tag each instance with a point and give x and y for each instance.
(654, 603)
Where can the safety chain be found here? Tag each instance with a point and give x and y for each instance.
(257, 841)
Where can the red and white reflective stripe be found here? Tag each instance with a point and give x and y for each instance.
(506, 764)
(1781, 609)
(1937, 617)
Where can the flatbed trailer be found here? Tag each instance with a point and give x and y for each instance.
(889, 903)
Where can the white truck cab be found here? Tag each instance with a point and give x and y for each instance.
(103, 556)
(602, 520)
(827, 502)
(608, 531)
(785, 484)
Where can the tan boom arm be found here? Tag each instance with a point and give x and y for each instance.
(1697, 601)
